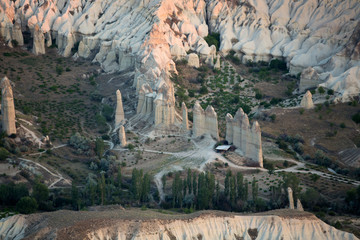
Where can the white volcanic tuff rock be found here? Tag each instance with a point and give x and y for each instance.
(16, 33)
(293, 225)
(309, 78)
(205, 122)
(299, 205)
(307, 33)
(122, 136)
(306, 101)
(193, 60)
(119, 112)
(248, 140)
(38, 41)
(185, 121)
(290, 198)
(7, 107)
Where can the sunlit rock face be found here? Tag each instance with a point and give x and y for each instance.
(119, 111)
(146, 36)
(280, 224)
(245, 138)
(7, 107)
(306, 101)
(205, 122)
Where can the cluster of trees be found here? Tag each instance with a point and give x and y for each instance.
(203, 191)
(17, 197)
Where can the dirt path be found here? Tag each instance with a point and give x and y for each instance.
(57, 175)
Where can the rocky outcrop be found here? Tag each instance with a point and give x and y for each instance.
(193, 60)
(7, 107)
(119, 112)
(120, 224)
(122, 136)
(185, 121)
(217, 64)
(306, 101)
(205, 122)
(309, 78)
(299, 205)
(38, 41)
(16, 33)
(247, 139)
(290, 198)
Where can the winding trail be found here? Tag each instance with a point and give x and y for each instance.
(57, 175)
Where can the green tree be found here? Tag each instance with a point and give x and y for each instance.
(189, 181)
(291, 180)
(194, 185)
(163, 181)
(102, 187)
(3, 154)
(119, 177)
(26, 205)
(145, 188)
(40, 192)
(136, 181)
(99, 147)
(227, 184)
(246, 190)
(75, 197)
(254, 189)
(240, 185)
(232, 190)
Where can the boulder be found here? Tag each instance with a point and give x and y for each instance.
(193, 60)
(306, 101)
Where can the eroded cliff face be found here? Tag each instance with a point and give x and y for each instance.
(280, 224)
(145, 36)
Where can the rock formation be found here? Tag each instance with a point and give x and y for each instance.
(119, 112)
(299, 205)
(146, 36)
(185, 121)
(38, 41)
(245, 138)
(309, 78)
(193, 60)
(122, 136)
(209, 225)
(16, 33)
(7, 107)
(205, 122)
(291, 198)
(217, 63)
(306, 101)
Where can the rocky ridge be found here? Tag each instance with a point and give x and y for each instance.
(147, 35)
(121, 224)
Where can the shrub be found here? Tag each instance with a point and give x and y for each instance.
(356, 117)
(330, 92)
(59, 69)
(203, 90)
(273, 117)
(213, 39)
(342, 125)
(3, 154)
(26, 205)
(278, 64)
(321, 90)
